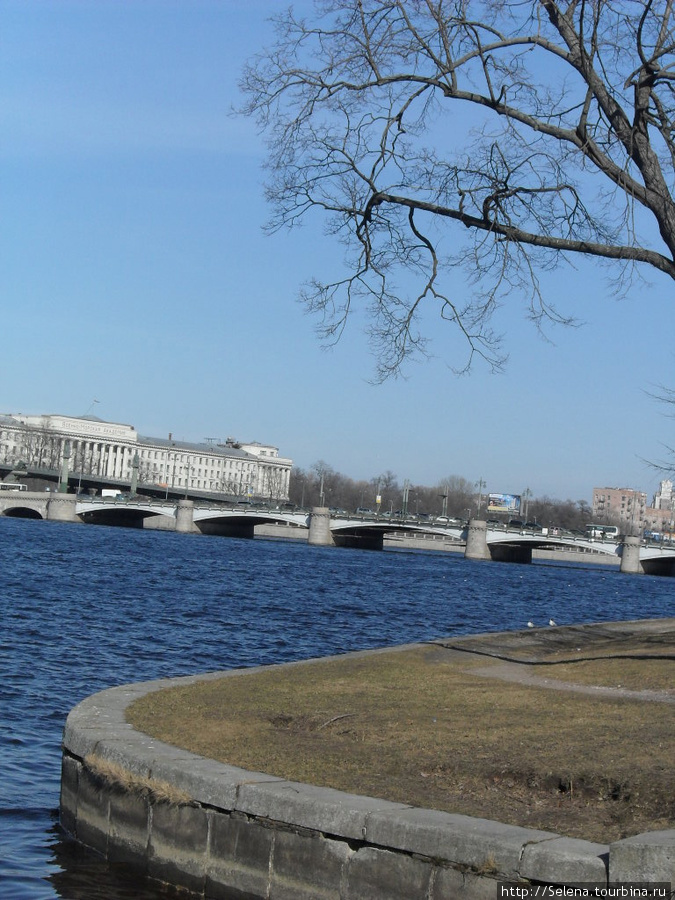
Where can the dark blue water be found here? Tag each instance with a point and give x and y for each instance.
(85, 608)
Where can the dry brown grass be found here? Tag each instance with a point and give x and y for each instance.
(629, 674)
(115, 776)
(421, 727)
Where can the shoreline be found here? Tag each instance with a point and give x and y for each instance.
(215, 828)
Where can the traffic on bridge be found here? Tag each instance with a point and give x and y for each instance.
(511, 541)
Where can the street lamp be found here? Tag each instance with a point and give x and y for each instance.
(404, 503)
(480, 484)
(135, 462)
(166, 474)
(63, 481)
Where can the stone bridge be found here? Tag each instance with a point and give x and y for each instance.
(481, 542)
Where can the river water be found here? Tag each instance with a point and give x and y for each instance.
(85, 608)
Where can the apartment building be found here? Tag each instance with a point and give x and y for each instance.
(624, 507)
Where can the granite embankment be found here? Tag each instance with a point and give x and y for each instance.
(227, 832)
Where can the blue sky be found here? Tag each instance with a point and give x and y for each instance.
(134, 272)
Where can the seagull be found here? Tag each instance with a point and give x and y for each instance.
(551, 622)
(530, 624)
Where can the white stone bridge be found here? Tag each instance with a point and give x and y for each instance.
(481, 541)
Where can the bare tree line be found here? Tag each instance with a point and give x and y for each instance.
(456, 496)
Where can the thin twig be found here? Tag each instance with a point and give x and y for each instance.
(335, 719)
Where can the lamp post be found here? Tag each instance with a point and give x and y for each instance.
(480, 484)
(166, 474)
(404, 504)
(63, 480)
(134, 475)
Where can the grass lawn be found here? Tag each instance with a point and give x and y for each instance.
(430, 727)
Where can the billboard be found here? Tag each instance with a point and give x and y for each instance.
(503, 503)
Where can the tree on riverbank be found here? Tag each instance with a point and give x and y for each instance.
(520, 133)
(455, 495)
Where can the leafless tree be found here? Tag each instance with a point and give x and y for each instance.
(148, 472)
(39, 447)
(272, 483)
(532, 131)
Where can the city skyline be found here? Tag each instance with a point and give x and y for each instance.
(172, 440)
(137, 279)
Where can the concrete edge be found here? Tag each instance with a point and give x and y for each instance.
(97, 727)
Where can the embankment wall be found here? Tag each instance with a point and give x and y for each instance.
(228, 833)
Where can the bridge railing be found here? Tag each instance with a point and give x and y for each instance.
(138, 499)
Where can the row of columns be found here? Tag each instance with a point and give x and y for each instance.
(96, 458)
(110, 460)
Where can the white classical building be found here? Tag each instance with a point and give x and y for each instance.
(110, 450)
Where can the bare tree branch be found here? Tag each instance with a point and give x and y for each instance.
(571, 152)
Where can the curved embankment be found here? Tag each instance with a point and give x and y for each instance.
(226, 832)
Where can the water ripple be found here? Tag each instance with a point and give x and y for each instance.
(83, 609)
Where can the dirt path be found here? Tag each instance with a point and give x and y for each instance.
(523, 674)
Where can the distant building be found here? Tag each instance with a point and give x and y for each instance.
(663, 498)
(108, 450)
(661, 517)
(662, 520)
(619, 506)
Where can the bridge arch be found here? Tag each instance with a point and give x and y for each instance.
(117, 517)
(22, 512)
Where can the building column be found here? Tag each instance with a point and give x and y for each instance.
(108, 453)
(99, 460)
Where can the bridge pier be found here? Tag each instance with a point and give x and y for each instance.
(61, 508)
(320, 534)
(185, 516)
(476, 540)
(630, 556)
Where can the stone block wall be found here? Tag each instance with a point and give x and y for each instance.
(225, 832)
